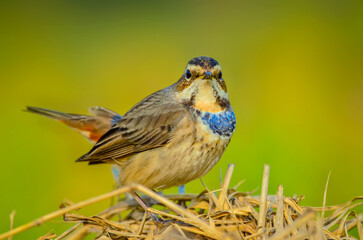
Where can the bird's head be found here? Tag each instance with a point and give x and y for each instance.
(202, 86)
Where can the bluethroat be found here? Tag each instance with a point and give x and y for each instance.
(169, 138)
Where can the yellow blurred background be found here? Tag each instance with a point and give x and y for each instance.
(293, 69)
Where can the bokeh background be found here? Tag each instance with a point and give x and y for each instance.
(293, 70)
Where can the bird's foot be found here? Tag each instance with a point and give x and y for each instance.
(160, 222)
(163, 223)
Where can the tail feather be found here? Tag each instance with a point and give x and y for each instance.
(102, 112)
(51, 113)
(92, 127)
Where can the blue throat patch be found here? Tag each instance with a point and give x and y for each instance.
(222, 123)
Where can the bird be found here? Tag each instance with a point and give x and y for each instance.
(169, 138)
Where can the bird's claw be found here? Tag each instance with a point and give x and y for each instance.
(161, 222)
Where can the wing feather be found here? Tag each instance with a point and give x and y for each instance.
(148, 125)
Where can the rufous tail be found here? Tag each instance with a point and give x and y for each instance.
(92, 127)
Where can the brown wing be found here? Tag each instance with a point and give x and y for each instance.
(148, 125)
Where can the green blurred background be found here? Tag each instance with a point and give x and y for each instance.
(293, 70)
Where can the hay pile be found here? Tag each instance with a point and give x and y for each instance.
(223, 214)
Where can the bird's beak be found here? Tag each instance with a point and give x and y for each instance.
(207, 75)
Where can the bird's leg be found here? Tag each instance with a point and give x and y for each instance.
(181, 189)
(154, 217)
(115, 174)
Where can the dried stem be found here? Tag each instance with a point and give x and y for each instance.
(231, 215)
(264, 193)
(280, 209)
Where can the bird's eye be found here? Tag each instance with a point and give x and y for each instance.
(188, 74)
(220, 75)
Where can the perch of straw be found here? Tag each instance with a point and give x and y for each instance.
(220, 214)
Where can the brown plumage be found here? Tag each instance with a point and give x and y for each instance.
(148, 125)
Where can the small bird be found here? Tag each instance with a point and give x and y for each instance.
(169, 138)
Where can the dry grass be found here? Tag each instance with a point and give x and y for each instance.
(223, 214)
